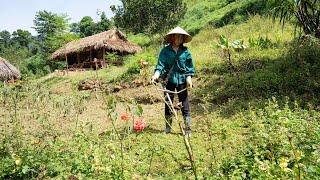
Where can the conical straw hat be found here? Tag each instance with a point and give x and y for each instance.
(179, 30)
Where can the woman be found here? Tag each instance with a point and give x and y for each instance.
(175, 65)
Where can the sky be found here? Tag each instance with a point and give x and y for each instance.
(19, 14)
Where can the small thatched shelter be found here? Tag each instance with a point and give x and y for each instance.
(8, 71)
(89, 51)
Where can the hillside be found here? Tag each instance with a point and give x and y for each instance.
(201, 14)
(256, 120)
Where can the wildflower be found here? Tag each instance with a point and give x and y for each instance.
(124, 116)
(18, 161)
(298, 155)
(284, 164)
(139, 125)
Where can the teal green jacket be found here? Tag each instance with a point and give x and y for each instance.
(181, 69)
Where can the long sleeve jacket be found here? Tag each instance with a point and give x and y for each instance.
(182, 68)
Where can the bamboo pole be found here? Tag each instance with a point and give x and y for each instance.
(186, 139)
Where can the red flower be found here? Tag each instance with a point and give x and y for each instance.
(124, 116)
(139, 125)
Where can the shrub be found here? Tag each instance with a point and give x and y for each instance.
(133, 62)
(140, 39)
(35, 65)
(300, 69)
(281, 143)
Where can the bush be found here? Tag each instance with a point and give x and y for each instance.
(134, 65)
(300, 68)
(282, 141)
(140, 39)
(133, 62)
(35, 65)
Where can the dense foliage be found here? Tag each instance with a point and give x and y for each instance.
(87, 27)
(305, 12)
(148, 16)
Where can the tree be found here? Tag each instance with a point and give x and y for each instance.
(15, 55)
(21, 37)
(104, 23)
(86, 26)
(5, 38)
(55, 42)
(306, 13)
(49, 25)
(148, 16)
(74, 27)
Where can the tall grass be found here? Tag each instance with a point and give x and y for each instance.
(204, 50)
(219, 13)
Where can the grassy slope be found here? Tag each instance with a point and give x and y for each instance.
(235, 121)
(217, 13)
(206, 53)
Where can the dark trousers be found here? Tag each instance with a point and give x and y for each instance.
(183, 98)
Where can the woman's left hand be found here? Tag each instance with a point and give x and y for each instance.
(189, 82)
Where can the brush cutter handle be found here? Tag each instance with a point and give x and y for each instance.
(172, 92)
(163, 87)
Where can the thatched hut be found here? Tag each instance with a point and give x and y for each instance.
(8, 71)
(90, 51)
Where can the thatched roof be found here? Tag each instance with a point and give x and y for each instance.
(8, 71)
(112, 40)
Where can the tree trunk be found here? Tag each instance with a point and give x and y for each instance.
(317, 34)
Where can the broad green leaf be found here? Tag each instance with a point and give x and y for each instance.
(139, 110)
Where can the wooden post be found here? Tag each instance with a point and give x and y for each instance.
(90, 58)
(66, 56)
(103, 57)
(95, 60)
(78, 58)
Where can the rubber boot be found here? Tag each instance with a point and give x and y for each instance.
(187, 121)
(168, 124)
